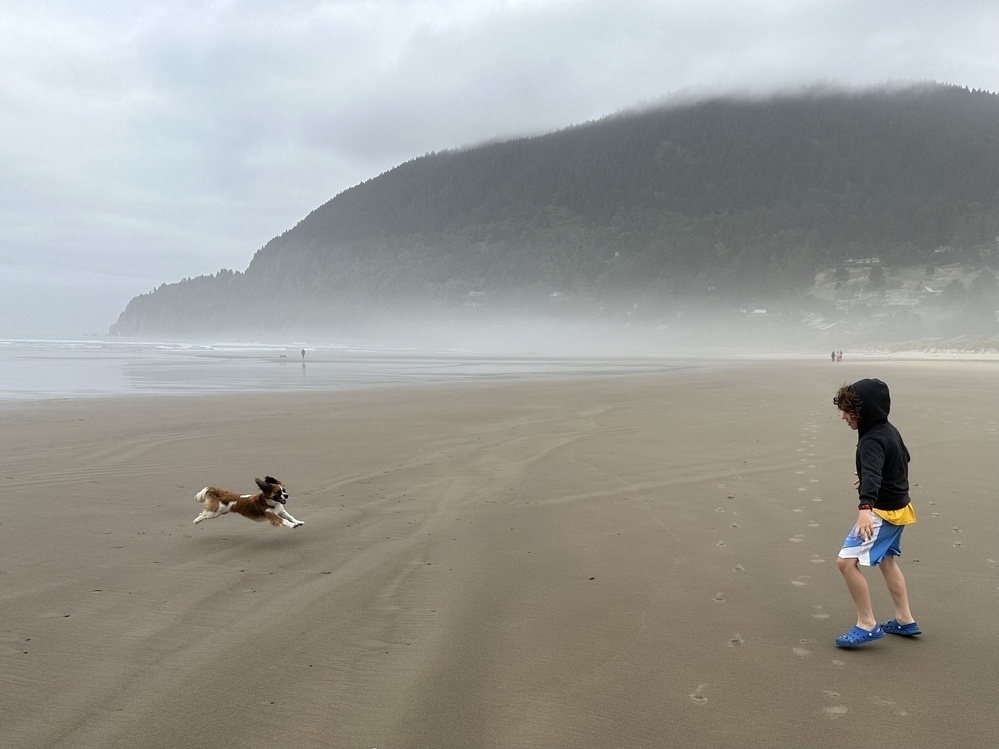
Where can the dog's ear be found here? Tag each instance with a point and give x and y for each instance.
(271, 480)
(262, 485)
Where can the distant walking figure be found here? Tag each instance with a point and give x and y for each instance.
(833, 356)
(839, 356)
(303, 354)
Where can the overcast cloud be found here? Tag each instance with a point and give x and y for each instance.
(145, 142)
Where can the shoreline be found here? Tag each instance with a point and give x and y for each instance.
(71, 375)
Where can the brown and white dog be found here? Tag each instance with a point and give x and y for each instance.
(267, 505)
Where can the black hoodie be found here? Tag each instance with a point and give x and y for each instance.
(882, 458)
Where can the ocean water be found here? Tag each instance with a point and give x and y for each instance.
(33, 369)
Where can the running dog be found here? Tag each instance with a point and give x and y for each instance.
(267, 505)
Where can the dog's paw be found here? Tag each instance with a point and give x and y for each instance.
(298, 523)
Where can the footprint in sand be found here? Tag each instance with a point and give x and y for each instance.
(958, 545)
(837, 664)
(721, 543)
(936, 514)
(816, 559)
(798, 509)
(816, 499)
(736, 640)
(738, 568)
(698, 695)
(801, 652)
(734, 525)
(797, 538)
(813, 524)
(835, 711)
(719, 598)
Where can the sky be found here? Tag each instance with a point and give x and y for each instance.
(146, 142)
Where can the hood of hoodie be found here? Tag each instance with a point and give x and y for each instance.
(875, 403)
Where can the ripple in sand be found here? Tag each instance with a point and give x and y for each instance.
(835, 711)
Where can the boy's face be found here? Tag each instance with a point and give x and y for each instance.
(849, 419)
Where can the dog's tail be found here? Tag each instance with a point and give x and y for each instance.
(202, 495)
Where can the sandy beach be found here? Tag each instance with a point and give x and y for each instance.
(632, 561)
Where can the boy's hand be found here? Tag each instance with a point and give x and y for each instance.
(865, 527)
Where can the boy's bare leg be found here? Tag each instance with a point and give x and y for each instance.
(896, 587)
(859, 592)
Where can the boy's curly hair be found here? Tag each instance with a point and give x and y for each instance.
(847, 401)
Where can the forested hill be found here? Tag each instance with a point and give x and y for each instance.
(745, 198)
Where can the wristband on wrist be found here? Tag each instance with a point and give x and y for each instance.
(864, 506)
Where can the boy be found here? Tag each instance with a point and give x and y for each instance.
(884, 511)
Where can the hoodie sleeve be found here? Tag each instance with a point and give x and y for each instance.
(870, 465)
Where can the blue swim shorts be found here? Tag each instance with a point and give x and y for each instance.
(885, 541)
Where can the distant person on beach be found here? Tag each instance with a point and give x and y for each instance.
(839, 356)
(884, 510)
(834, 356)
(303, 354)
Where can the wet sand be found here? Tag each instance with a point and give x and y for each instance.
(638, 561)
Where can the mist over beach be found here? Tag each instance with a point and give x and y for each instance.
(532, 313)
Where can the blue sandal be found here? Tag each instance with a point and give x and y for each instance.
(906, 630)
(859, 636)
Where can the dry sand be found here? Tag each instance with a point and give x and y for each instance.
(628, 561)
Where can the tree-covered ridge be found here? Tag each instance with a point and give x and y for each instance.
(745, 197)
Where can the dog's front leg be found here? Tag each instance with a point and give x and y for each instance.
(285, 515)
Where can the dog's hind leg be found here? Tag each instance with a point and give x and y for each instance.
(222, 509)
